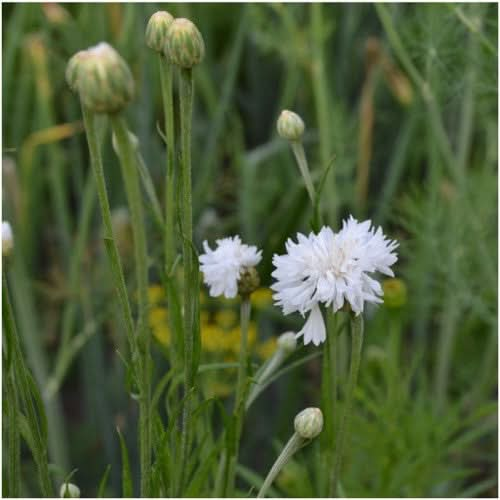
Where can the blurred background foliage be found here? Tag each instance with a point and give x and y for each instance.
(405, 98)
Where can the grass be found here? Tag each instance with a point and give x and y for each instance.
(405, 98)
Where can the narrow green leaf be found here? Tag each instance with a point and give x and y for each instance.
(127, 486)
(103, 482)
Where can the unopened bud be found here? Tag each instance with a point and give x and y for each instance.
(395, 293)
(290, 126)
(72, 68)
(104, 80)
(249, 281)
(309, 423)
(287, 342)
(69, 490)
(184, 46)
(156, 30)
(7, 239)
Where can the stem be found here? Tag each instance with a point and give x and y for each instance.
(294, 444)
(133, 190)
(110, 244)
(300, 156)
(27, 393)
(166, 71)
(356, 346)
(13, 438)
(239, 403)
(186, 110)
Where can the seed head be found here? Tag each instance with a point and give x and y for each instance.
(156, 30)
(290, 126)
(309, 423)
(249, 281)
(184, 46)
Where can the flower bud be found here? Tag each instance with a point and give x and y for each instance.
(72, 68)
(104, 80)
(309, 423)
(290, 126)
(156, 30)
(69, 490)
(184, 46)
(249, 281)
(287, 342)
(7, 239)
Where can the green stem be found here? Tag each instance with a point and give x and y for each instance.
(356, 346)
(239, 402)
(131, 180)
(13, 438)
(294, 444)
(166, 73)
(300, 156)
(110, 244)
(28, 392)
(186, 110)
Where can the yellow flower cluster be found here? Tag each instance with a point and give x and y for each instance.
(220, 331)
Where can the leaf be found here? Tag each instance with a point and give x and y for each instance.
(316, 220)
(103, 482)
(127, 487)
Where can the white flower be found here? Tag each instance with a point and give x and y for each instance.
(223, 266)
(331, 269)
(7, 238)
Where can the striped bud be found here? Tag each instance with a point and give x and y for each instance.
(104, 80)
(290, 126)
(184, 46)
(309, 423)
(72, 68)
(156, 30)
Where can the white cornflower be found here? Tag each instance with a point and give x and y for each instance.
(7, 238)
(223, 266)
(331, 269)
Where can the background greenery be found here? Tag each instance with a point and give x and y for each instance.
(404, 96)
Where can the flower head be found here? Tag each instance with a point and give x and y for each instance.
(332, 269)
(156, 30)
(309, 423)
(184, 45)
(223, 267)
(69, 490)
(290, 126)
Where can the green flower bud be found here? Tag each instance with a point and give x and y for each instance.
(7, 239)
(69, 490)
(184, 46)
(156, 30)
(395, 293)
(249, 281)
(72, 68)
(290, 126)
(309, 423)
(287, 342)
(104, 79)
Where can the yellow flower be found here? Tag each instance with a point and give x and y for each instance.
(226, 318)
(162, 334)
(156, 294)
(157, 316)
(211, 337)
(219, 388)
(204, 318)
(262, 298)
(267, 348)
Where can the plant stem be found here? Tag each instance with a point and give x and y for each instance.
(356, 346)
(110, 244)
(294, 444)
(300, 156)
(131, 180)
(186, 110)
(239, 402)
(13, 456)
(28, 392)
(166, 73)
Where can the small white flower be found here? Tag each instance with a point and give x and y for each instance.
(7, 238)
(223, 266)
(331, 269)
